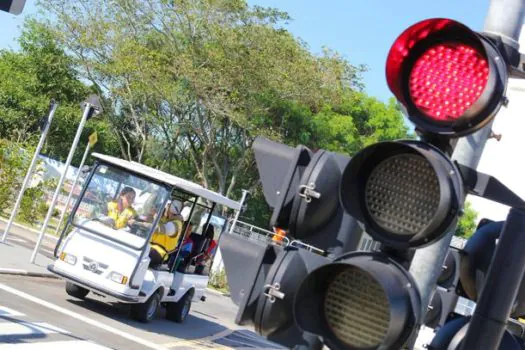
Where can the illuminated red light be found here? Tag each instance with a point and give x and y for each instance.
(447, 80)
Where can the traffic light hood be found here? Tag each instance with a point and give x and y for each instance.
(405, 193)
(448, 79)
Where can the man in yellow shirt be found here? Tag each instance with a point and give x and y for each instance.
(166, 236)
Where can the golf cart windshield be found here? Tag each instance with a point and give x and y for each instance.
(119, 205)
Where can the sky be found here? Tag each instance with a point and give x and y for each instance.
(362, 31)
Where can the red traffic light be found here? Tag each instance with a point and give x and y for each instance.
(449, 79)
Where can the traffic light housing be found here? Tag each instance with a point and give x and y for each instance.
(406, 193)
(450, 82)
(12, 6)
(449, 79)
(446, 296)
(361, 300)
(302, 188)
(476, 260)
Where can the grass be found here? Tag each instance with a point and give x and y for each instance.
(51, 227)
(219, 282)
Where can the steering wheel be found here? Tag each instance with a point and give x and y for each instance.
(137, 227)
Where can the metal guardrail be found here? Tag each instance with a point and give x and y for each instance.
(255, 233)
(260, 235)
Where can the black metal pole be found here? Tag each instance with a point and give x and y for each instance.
(501, 287)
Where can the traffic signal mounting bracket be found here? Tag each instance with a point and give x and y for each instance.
(514, 59)
(488, 187)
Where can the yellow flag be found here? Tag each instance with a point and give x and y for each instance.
(93, 138)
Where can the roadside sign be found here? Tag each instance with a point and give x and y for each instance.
(93, 139)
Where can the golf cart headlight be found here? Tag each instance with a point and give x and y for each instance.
(68, 258)
(118, 277)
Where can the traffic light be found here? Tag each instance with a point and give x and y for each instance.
(405, 194)
(476, 260)
(448, 79)
(12, 6)
(302, 188)
(451, 336)
(444, 301)
(361, 300)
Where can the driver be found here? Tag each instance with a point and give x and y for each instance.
(166, 236)
(121, 210)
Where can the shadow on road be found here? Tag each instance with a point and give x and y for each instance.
(193, 327)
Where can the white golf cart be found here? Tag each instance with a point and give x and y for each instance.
(113, 262)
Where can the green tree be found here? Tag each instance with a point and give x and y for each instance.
(190, 84)
(14, 162)
(29, 79)
(467, 222)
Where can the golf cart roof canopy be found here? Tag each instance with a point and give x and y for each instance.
(169, 179)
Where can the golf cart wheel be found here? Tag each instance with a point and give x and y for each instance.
(145, 312)
(179, 311)
(76, 291)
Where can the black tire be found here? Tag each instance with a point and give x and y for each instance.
(76, 291)
(178, 311)
(146, 311)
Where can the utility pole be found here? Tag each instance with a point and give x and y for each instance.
(91, 143)
(245, 193)
(505, 19)
(52, 108)
(91, 107)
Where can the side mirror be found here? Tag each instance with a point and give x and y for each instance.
(12, 6)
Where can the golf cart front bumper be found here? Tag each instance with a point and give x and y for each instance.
(94, 287)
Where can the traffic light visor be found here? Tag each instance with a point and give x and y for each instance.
(449, 79)
(405, 193)
(363, 301)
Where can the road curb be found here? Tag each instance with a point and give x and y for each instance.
(19, 272)
(216, 292)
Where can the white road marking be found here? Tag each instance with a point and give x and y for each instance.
(81, 318)
(55, 345)
(6, 269)
(5, 311)
(14, 239)
(27, 328)
(210, 338)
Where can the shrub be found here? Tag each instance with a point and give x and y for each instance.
(32, 205)
(218, 280)
(14, 162)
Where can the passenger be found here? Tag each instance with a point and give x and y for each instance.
(185, 251)
(166, 236)
(120, 211)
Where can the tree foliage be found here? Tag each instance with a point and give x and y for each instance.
(188, 85)
(467, 222)
(29, 79)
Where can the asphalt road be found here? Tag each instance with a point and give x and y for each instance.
(36, 313)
